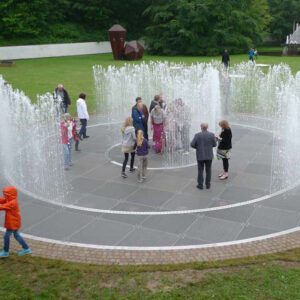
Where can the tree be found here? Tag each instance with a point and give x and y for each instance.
(285, 13)
(205, 27)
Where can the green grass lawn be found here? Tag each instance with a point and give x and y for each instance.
(38, 76)
(275, 276)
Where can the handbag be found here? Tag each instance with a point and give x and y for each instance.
(223, 154)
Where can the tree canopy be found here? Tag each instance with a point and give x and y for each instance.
(191, 27)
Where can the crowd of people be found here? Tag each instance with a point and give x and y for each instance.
(171, 125)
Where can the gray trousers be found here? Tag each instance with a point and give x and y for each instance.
(142, 166)
(201, 164)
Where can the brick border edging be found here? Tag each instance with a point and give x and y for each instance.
(154, 257)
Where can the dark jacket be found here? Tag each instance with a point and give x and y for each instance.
(66, 100)
(143, 149)
(145, 111)
(154, 103)
(226, 136)
(138, 120)
(225, 57)
(204, 142)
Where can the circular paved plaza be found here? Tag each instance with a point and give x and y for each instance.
(166, 218)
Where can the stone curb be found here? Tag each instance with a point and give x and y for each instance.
(154, 257)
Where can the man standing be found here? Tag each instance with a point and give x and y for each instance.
(61, 96)
(158, 100)
(225, 59)
(251, 53)
(146, 114)
(204, 142)
(83, 115)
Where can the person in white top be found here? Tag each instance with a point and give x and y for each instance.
(83, 114)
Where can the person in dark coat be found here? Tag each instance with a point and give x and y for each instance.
(224, 147)
(225, 59)
(146, 114)
(204, 142)
(61, 96)
(158, 100)
(138, 118)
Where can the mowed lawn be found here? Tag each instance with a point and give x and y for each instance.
(275, 276)
(38, 76)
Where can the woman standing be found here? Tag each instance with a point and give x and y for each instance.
(157, 125)
(67, 138)
(224, 147)
(128, 140)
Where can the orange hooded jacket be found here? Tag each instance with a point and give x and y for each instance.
(11, 207)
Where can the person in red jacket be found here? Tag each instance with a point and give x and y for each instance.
(12, 220)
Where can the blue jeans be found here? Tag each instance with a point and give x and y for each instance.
(16, 236)
(68, 152)
(82, 131)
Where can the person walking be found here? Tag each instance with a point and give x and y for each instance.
(61, 98)
(128, 140)
(83, 114)
(139, 118)
(251, 54)
(142, 149)
(67, 138)
(157, 125)
(204, 142)
(224, 147)
(225, 59)
(12, 221)
(146, 114)
(255, 55)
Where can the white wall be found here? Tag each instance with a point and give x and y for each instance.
(53, 50)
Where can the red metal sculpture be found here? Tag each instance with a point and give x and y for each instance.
(133, 50)
(117, 37)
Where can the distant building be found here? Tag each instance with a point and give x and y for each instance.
(292, 42)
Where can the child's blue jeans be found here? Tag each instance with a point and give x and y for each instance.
(17, 236)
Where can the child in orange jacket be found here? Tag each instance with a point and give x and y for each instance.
(12, 220)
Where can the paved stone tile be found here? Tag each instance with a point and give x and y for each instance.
(286, 202)
(125, 218)
(274, 218)
(253, 231)
(61, 225)
(214, 230)
(34, 213)
(216, 189)
(189, 242)
(168, 183)
(104, 172)
(115, 190)
(187, 201)
(150, 197)
(239, 194)
(143, 237)
(93, 201)
(237, 214)
(132, 206)
(170, 223)
(259, 169)
(84, 185)
(253, 181)
(102, 232)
